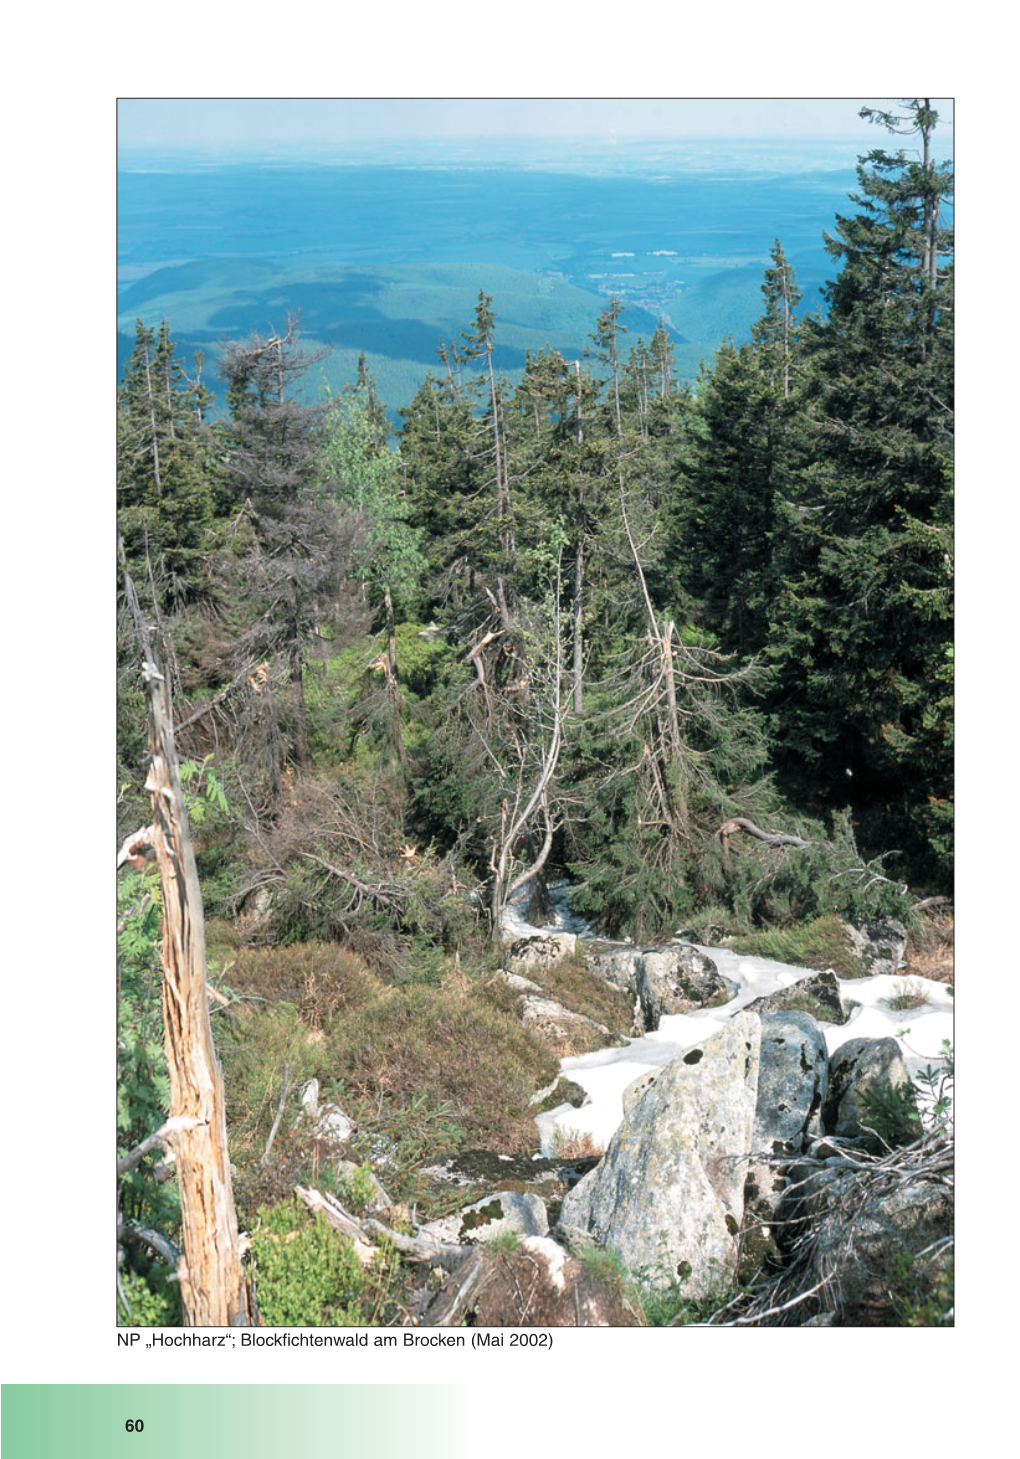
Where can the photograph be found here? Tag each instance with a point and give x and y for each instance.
(534, 717)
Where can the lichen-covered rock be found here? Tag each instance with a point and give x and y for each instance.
(668, 1194)
(517, 983)
(498, 1214)
(638, 1088)
(818, 995)
(539, 1284)
(671, 978)
(615, 962)
(502, 1212)
(561, 1091)
(678, 979)
(558, 1024)
(878, 947)
(855, 1069)
(540, 952)
(793, 1080)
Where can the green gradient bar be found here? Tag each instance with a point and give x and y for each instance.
(259, 1420)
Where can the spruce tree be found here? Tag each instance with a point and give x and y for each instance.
(862, 629)
(740, 456)
(165, 470)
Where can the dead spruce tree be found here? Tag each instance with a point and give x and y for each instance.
(517, 708)
(214, 1289)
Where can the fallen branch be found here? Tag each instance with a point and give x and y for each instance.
(768, 1312)
(340, 1220)
(389, 895)
(247, 675)
(450, 1306)
(740, 823)
(415, 1248)
(279, 1113)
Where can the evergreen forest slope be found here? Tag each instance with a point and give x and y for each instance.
(581, 618)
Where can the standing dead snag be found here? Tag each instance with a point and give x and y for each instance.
(214, 1290)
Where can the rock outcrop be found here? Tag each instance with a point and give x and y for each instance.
(499, 1214)
(818, 995)
(674, 978)
(529, 953)
(668, 1195)
(878, 947)
(678, 979)
(793, 1081)
(856, 1069)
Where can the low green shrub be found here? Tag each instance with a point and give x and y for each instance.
(306, 1274)
(152, 1300)
(359, 1189)
(922, 1290)
(470, 1055)
(262, 1049)
(891, 1116)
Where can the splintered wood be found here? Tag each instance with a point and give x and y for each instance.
(214, 1290)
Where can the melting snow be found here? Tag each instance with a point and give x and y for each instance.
(605, 1074)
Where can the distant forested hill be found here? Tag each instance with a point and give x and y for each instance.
(383, 261)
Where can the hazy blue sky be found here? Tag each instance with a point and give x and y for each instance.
(186, 123)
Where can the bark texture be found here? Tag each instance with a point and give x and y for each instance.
(214, 1291)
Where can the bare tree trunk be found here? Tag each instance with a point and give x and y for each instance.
(302, 751)
(578, 614)
(520, 814)
(393, 681)
(214, 1290)
(152, 422)
(501, 485)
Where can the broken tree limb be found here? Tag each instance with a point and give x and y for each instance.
(413, 1248)
(279, 1113)
(389, 895)
(341, 1220)
(146, 1236)
(772, 838)
(160, 1139)
(453, 1303)
(132, 853)
(416, 1248)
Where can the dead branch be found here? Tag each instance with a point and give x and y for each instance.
(279, 1113)
(160, 1139)
(451, 1307)
(415, 1248)
(389, 895)
(146, 1236)
(341, 1220)
(772, 838)
(132, 852)
(760, 1316)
